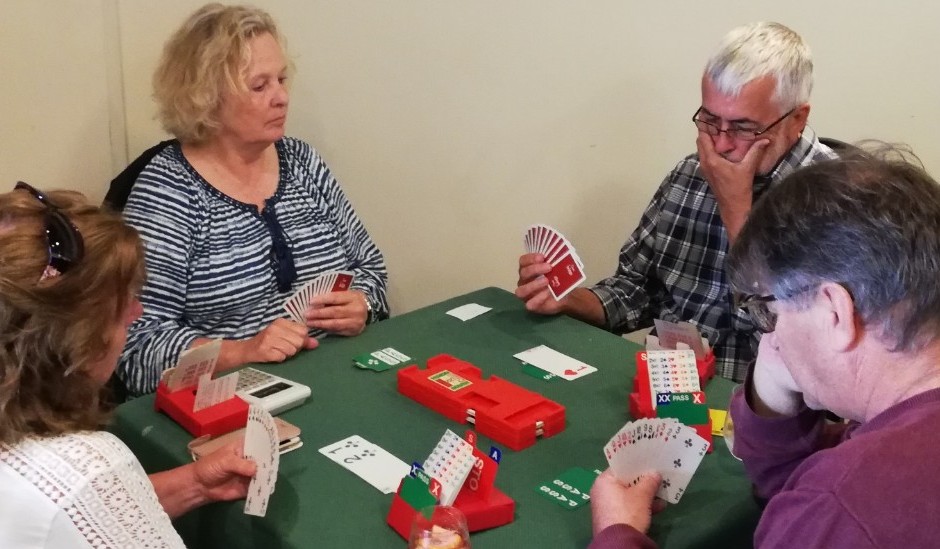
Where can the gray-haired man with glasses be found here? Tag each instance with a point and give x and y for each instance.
(752, 132)
(841, 264)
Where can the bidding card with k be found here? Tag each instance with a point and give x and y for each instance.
(672, 372)
(261, 446)
(567, 268)
(334, 281)
(449, 464)
(664, 445)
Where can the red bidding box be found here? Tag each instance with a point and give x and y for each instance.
(484, 505)
(216, 420)
(503, 411)
(641, 399)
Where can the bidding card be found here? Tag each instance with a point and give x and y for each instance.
(571, 489)
(468, 311)
(380, 360)
(368, 461)
(556, 363)
(192, 365)
(672, 372)
(567, 268)
(450, 464)
(213, 391)
(679, 335)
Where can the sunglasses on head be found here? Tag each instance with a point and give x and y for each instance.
(64, 243)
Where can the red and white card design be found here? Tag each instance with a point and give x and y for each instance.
(658, 444)
(333, 281)
(567, 268)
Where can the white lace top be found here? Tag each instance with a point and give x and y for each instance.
(78, 490)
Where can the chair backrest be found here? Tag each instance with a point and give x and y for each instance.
(840, 147)
(121, 185)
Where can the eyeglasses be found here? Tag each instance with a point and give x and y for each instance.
(64, 243)
(755, 306)
(739, 134)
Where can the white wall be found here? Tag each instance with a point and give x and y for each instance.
(453, 125)
(57, 72)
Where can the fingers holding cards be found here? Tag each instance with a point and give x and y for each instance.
(334, 281)
(663, 445)
(261, 446)
(566, 270)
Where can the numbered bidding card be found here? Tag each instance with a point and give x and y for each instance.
(450, 463)
(672, 372)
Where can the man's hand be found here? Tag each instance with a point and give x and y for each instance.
(342, 313)
(731, 182)
(279, 341)
(532, 287)
(774, 392)
(612, 502)
(224, 475)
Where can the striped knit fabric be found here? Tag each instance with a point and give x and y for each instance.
(208, 256)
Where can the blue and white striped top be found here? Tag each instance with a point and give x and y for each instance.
(209, 272)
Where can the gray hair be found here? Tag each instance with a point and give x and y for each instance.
(763, 49)
(868, 222)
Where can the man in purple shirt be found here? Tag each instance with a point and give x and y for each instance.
(842, 264)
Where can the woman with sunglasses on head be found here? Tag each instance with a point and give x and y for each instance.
(68, 280)
(236, 217)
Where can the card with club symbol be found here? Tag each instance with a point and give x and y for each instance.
(333, 281)
(369, 461)
(664, 445)
(567, 268)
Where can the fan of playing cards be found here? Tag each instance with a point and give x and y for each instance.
(664, 445)
(567, 268)
(334, 281)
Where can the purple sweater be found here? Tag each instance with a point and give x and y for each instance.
(836, 486)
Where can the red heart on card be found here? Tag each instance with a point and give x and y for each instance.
(570, 372)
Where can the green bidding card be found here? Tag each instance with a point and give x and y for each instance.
(538, 373)
(570, 489)
(380, 360)
(416, 493)
(688, 408)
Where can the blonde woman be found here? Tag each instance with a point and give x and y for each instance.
(235, 216)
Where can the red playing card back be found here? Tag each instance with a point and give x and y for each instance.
(342, 282)
(564, 276)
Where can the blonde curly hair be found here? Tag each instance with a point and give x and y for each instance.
(206, 56)
(60, 324)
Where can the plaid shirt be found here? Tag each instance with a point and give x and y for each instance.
(672, 267)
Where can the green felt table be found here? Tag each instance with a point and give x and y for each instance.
(320, 504)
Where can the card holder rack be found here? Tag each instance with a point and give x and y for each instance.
(505, 412)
